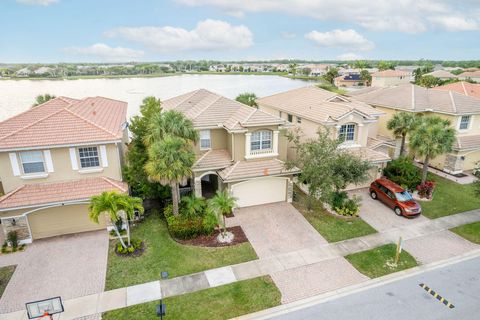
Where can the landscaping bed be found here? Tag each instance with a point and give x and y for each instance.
(211, 240)
(377, 262)
(222, 302)
(470, 231)
(5, 274)
(332, 227)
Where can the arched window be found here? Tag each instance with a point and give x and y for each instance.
(347, 132)
(261, 140)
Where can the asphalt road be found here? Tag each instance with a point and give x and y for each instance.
(405, 299)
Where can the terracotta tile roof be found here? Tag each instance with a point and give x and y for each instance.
(208, 109)
(410, 97)
(39, 194)
(463, 87)
(471, 142)
(374, 142)
(213, 159)
(390, 73)
(470, 74)
(65, 121)
(316, 104)
(370, 155)
(441, 74)
(251, 169)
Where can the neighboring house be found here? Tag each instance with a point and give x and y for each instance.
(442, 75)
(463, 112)
(348, 80)
(43, 70)
(241, 149)
(24, 72)
(311, 108)
(470, 75)
(387, 78)
(463, 87)
(54, 158)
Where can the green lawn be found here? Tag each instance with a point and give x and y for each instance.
(5, 274)
(449, 198)
(373, 263)
(223, 302)
(332, 228)
(470, 231)
(164, 254)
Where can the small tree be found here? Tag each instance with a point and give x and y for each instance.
(476, 184)
(433, 136)
(41, 99)
(428, 81)
(401, 124)
(223, 203)
(247, 98)
(331, 74)
(366, 77)
(193, 206)
(118, 207)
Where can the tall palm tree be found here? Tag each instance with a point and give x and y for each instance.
(247, 98)
(432, 137)
(401, 124)
(223, 203)
(41, 99)
(115, 205)
(171, 123)
(170, 162)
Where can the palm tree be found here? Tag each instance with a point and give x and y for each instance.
(366, 77)
(192, 205)
(223, 204)
(41, 99)
(432, 137)
(293, 69)
(248, 98)
(401, 124)
(170, 162)
(171, 123)
(115, 205)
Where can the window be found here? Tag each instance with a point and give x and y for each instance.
(290, 118)
(347, 132)
(299, 120)
(261, 140)
(279, 114)
(205, 139)
(464, 122)
(32, 162)
(89, 157)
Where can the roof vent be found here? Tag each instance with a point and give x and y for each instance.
(94, 112)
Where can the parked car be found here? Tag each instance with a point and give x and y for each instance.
(396, 197)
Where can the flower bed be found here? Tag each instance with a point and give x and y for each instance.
(211, 240)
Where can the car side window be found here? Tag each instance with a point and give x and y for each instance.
(390, 194)
(382, 188)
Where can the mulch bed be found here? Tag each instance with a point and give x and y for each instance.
(211, 241)
(134, 254)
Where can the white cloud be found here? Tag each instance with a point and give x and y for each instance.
(337, 38)
(207, 35)
(105, 52)
(410, 16)
(349, 56)
(288, 35)
(455, 23)
(37, 2)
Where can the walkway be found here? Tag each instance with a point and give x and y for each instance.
(467, 179)
(323, 253)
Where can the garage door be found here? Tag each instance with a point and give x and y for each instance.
(62, 220)
(260, 191)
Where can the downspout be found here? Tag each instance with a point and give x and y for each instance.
(233, 147)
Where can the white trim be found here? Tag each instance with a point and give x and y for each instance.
(283, 174)
(14, 163)
(90, 170)
(96, 143)
(34, 176)
(73, 158)
(48, 160)
(103, 156)
(262, 155)
(45, 206)
(206, 173)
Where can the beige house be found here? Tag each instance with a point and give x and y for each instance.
(470, 75)
(387, 78)
(54, 157)
(442, 75)
(241, 149)
(311, 108)
(463, 111)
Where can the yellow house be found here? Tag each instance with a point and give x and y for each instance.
(241, 149)
(54, 157)
(463, 112)
(387, 78)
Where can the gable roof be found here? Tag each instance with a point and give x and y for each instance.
(65, 121)
(390, 73)
(474, 74)
(410, 97)
(207, 109)
(463, 87)
(441, 74)
(317, 105)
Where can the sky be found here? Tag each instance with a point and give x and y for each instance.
(49, 31)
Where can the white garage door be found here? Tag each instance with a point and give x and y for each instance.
(260, 191)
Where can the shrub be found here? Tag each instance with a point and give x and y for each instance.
(403, 172)
(12, 238)
(168, 211)
(135, 244)
(338, 199)
(185, 228)
(345, 206)
(210, 221)
(425, 190)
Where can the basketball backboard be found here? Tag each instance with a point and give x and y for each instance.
(37, 309)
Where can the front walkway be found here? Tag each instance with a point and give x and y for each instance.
(467, 179)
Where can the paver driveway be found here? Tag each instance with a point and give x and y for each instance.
(67, 266)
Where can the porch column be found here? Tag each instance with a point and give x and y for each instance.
(275, 141)
(289, 190)
(198, 187)
(248, 137)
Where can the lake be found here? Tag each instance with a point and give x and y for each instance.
(18, 95)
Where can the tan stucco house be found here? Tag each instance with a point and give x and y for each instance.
(311, 108)
(387, 78)
(53, 158)
(463, 112)
(241, 149)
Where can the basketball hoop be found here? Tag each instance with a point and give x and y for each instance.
(44, 309)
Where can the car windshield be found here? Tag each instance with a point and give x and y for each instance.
(403, 196)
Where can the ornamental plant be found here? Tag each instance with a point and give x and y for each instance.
(425, 190)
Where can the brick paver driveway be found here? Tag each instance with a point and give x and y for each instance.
(67, 266)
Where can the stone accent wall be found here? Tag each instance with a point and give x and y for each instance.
(289, 191)
(18, 224)
(453, 163)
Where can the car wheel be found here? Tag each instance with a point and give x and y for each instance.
(398, 211)
(373, 194)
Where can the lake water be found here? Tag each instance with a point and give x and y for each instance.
(18, 95)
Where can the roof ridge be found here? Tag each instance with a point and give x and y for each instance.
(453, 101)
(113, 183)
(413, 97)
(218, 97)
(90, 122)
(249, 116)
(464, 89)
(201, 158)
(11, 193)
(232, 167)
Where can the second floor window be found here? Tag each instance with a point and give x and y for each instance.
(205, 142)
(347, 132)
(290, 118)
(261, 140)
(32, 162)
(464, 122)
(89, 157)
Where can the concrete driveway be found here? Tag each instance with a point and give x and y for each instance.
(68, 266)
(379, 216)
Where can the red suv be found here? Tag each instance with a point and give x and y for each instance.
(395, 197)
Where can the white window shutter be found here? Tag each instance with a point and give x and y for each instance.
(103, 155)
(73, 158)
(14, 163)
(48, 160)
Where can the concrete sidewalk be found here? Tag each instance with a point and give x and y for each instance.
(124, 297)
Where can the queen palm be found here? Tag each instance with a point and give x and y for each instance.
(118, 207)
(432, 137)
(170, 162)
(401, 124)
(223, 203)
